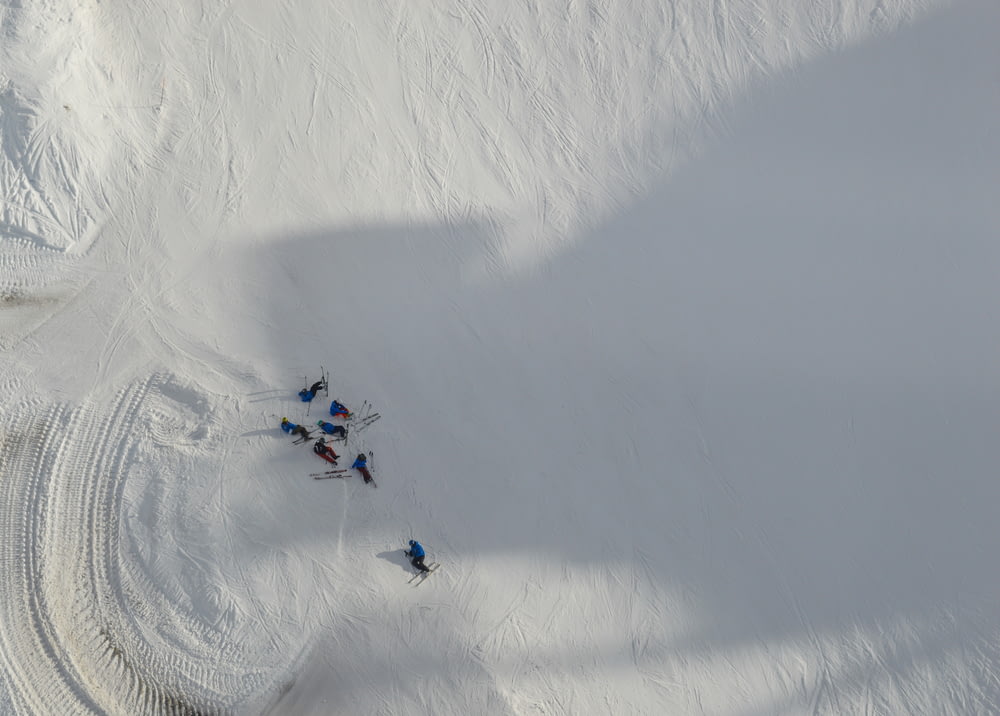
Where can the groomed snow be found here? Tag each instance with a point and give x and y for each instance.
(680, 318)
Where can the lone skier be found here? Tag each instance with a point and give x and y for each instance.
(293, 429)
(307, 394)
(339, 410)
(330, 429)
(361, 465)
(325, 451)
(416, 554)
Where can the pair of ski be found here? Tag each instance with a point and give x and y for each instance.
(421, 577)
(370, 468)
(323, 376)
(328, 475)
(322, 435)
(326, 386)
(365, 414)
(358, 427)
(333, 474)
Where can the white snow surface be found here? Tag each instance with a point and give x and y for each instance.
(681, 318)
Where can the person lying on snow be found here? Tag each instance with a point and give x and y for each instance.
(293, 429)
(325, 451)
(339, 410)
(330, 429)
(416, 554)
(307, 394)
(361, 465)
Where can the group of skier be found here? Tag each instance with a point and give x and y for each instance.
(416, 551)
(320, 446)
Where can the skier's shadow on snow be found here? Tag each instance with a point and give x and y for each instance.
(273, 432)
(396, 556)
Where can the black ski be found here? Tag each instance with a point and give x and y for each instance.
(363, 414)
(328, 472)
(357, 413)
(371, 467)
(366, 422)
(421, 577)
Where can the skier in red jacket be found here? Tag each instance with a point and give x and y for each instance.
(325, 451)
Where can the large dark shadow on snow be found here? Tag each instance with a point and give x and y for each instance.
(772, 382)
(828, 343)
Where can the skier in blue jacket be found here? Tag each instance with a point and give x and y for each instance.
(293, 429)
(330, 429)
(339, 410)
(361, 465)
(307, 394)
(416, 554)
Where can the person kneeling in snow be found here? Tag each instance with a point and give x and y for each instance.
(325, 451)
(416, 554)
(339, 410)
(330, 429)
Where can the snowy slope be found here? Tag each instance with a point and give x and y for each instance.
(678, 317)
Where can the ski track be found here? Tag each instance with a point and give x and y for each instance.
(91, 598)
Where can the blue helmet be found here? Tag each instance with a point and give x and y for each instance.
(412, 542)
